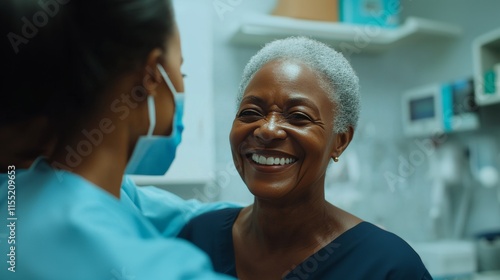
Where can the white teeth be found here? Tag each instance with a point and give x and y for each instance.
(255, 158)
(262, 160)
(271, 160)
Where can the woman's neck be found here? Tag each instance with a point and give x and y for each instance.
(96, 154)
(272, 237)
(309, 224)
(22, 142)
(100, 148)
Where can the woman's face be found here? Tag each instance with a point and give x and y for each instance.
(282, 137)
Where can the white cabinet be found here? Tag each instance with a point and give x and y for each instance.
(195, 160)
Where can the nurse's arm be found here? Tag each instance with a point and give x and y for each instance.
(166, 211)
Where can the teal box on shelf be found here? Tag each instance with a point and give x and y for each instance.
(491, 80)
(383, 13)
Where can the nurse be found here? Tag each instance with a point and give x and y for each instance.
(93, 86)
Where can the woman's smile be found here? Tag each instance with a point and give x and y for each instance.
(270, 160)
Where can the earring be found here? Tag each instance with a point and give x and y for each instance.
(336, 159)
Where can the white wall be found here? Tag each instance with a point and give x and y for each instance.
(229, 63)
(378, 141)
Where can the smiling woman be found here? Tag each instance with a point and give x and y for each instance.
(285, 114)
(298, 109)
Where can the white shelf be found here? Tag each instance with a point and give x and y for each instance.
(258, 29)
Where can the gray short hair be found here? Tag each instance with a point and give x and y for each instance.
(343, 84)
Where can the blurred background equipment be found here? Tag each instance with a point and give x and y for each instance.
(486, 53)
(443, 107)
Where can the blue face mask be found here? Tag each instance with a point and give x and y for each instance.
(153, 154)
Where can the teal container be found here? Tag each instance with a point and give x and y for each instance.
(383, 13)
(490, 78)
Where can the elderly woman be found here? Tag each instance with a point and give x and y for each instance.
(298, 108)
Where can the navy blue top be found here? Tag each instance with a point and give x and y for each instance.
(362, 252)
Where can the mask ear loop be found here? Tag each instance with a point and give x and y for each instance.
(151, 101)
(152, 115)
(170, 85)
(167, 80)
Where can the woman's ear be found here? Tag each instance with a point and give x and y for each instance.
(151, 75)
(340, 142)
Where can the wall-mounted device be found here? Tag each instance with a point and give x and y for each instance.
(439, 108)
(486, 55)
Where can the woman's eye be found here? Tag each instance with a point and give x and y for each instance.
(249, 113)
(299, 117)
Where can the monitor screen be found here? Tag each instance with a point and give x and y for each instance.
(422, 108)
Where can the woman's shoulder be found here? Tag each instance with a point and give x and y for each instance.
(212, 233)
(379, 238)
(218, 220)
(221, 215)
(364, 251)
(390, 251)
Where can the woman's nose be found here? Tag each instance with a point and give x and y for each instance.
(271, 129)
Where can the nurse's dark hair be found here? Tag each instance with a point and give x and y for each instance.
(58, 56)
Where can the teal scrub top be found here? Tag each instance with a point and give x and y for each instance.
(57, 225)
